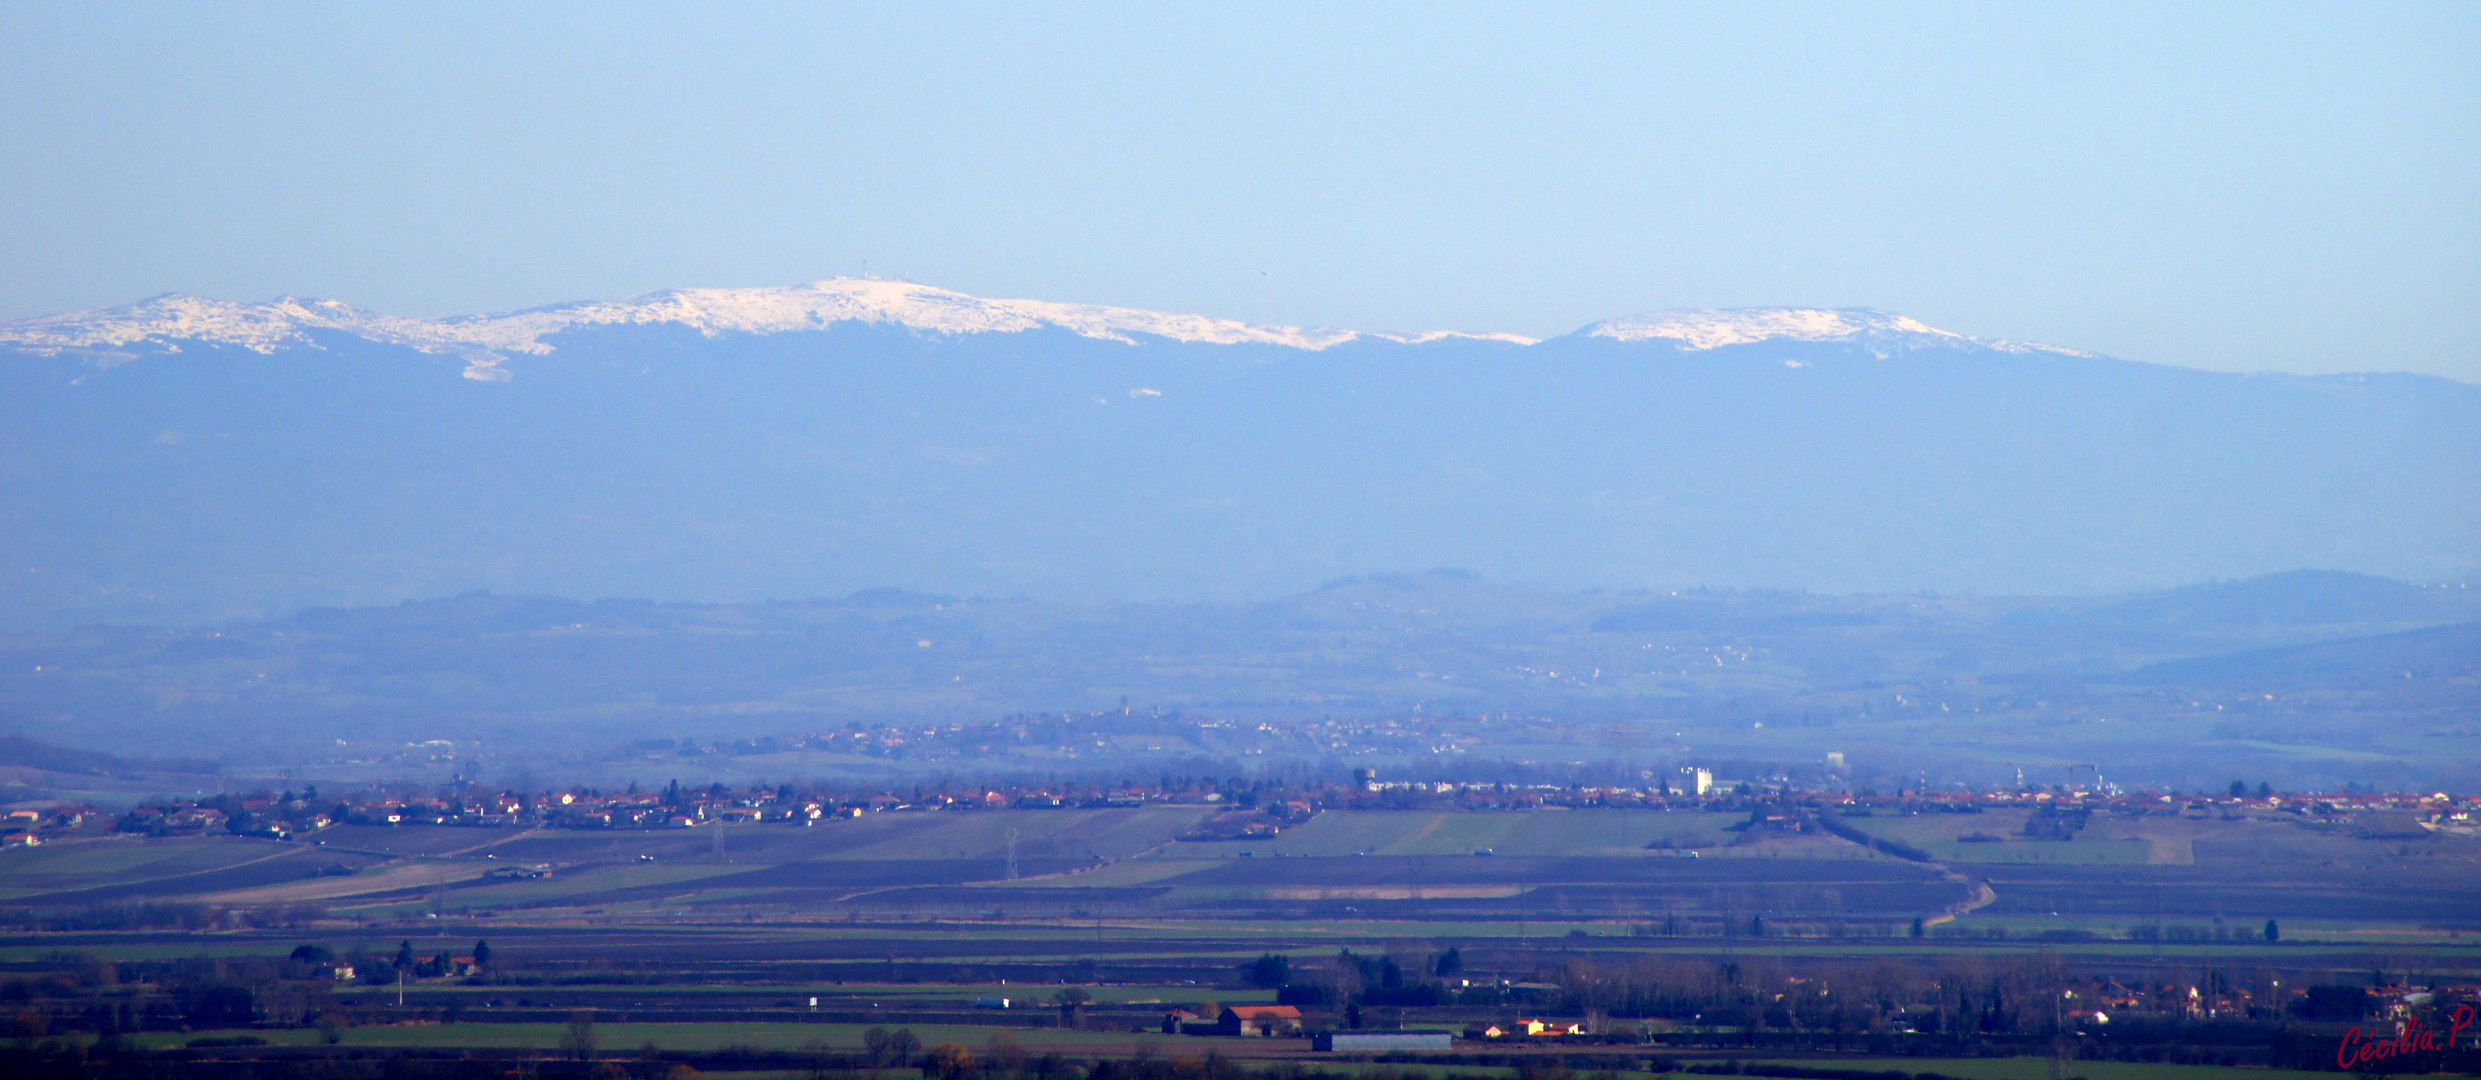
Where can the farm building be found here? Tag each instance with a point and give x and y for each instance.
(1258, 1020)
(1526, 1029)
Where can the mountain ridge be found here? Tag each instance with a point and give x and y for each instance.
(286, 321)
(281, 322)
(1847, 452)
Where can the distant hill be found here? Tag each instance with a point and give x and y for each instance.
(187, 460)
(23, 752)
(556, 674)
(2295, 599)
(2433, 655)
(2299, 597)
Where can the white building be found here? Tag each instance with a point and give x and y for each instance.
(1695, 781)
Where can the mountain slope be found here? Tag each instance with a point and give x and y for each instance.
(2298, 597)
(179, 459)
(2433, 656)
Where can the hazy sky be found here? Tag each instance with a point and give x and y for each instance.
(2248, 186)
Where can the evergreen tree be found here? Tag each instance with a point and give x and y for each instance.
(2273, 932)
(1270, 970)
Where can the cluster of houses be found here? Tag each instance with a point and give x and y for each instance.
(1255, 809)
(2089, 1008)
(2095, 1006)
(29, 826)
(1281, 1021)
(1526, 1029)
(2414, 811)
(1098, 733)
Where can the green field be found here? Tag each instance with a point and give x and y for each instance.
(623, 1038)
(1027, 996)
(2039, 1068)
(2001, 840)
(1546, 833)
(703, 1037)
(120, 860)
(641, 871)
(1107, 834)
(1121, 874)
(727, 932)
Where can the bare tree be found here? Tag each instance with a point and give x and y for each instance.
(577, 1042)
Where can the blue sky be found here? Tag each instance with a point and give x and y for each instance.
(2246, 186)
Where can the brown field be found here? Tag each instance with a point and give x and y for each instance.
(1585, 865)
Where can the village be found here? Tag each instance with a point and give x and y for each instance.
(1251, 808)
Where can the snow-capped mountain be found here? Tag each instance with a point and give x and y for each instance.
(172, 317)
(737, 443)
(1715, 328)
(489, 339)
(1710, 329)
(290, 321)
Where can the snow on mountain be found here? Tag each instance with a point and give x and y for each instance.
(486, 340)
(1713, 329)
(920, 307)
(172, 317)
